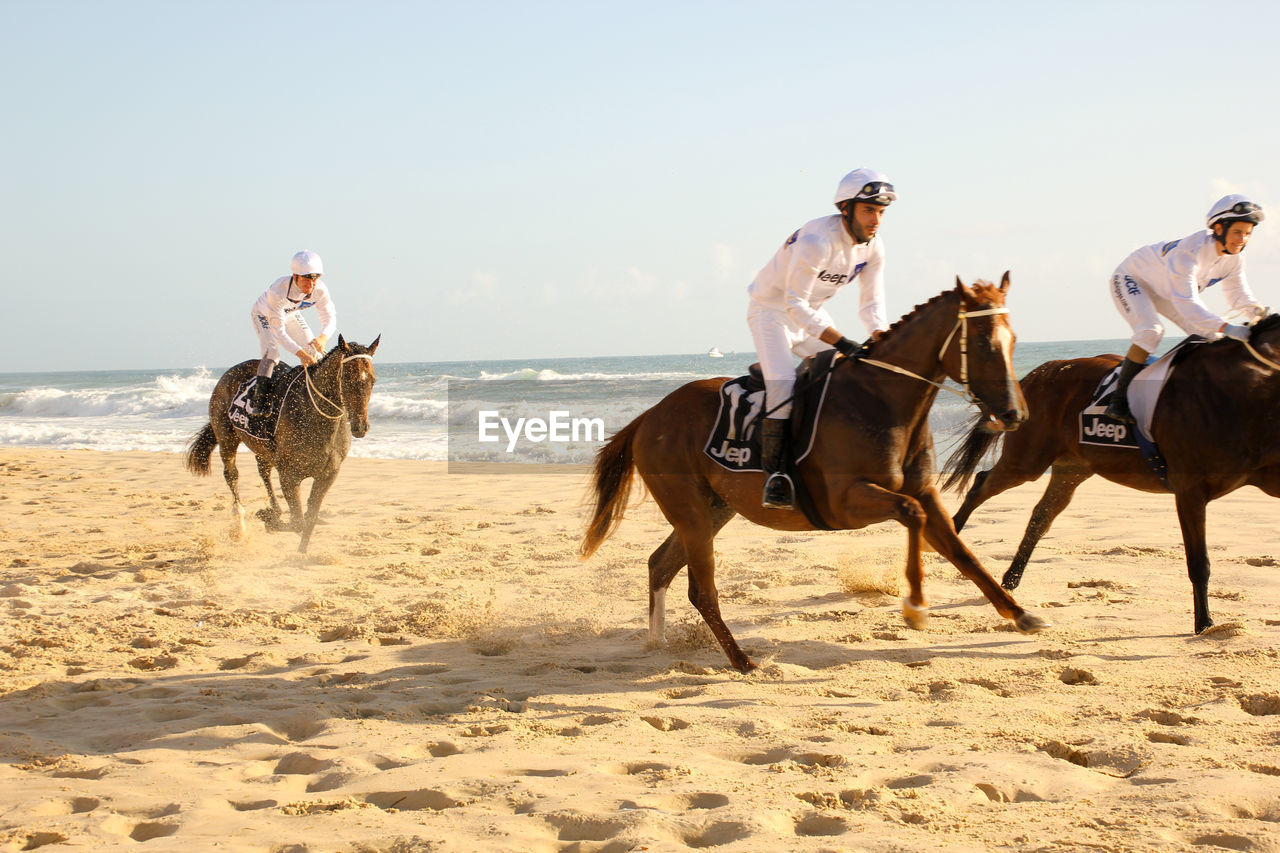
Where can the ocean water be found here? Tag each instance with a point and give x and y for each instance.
(419, 410)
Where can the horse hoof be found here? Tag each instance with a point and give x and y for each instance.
(1010, 581)
(746, 666)
(916, 617)
(1029, 623)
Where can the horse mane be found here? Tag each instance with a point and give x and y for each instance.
(982, 288)
(328, 355)
(897, 324)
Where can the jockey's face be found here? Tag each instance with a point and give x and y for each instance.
(1237, 235)
(865, 221)
(306, 283)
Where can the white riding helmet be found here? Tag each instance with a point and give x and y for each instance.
(1234, 208)
(306, 262)
(866, 185)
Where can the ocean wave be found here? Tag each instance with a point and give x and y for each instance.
(529, 374)
(398, 407)
(165, 396)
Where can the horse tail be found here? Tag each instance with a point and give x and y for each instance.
(200, 449)
(614, 468)
(964, 459)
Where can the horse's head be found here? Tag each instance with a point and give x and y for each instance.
(358, 377)
(981, 353)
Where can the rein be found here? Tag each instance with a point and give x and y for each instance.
(313, 392)
(1260, 357)
(963, 326)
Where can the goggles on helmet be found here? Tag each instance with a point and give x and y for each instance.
(876, 192)
(1241, 208)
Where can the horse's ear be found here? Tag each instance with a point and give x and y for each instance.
(373, 347)
(959, 284)
(342, 343)
(1004, 282)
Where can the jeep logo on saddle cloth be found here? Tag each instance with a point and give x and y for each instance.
(734, 441)
(1097, 428)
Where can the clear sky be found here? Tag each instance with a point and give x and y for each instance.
(545, 179)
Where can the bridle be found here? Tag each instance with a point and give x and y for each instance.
(313, 392)
(962, 326)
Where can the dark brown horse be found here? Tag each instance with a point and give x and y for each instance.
(1214, 424)
(320, 413)
(872, 459)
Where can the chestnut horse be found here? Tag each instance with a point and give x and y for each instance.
(320, 413)
(872, 458)
(1214, 424)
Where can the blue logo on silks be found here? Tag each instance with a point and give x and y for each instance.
(857, 269)
(1211, 283)
(1169, 247)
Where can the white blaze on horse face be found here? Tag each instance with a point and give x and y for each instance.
(1004, 339)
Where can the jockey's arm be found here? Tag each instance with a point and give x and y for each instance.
(830, 335)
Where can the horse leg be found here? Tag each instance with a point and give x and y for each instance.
(703, 595)
(290, 485)
(973, 499)
(319, 488)
(264, 471)
(940, 533)
(873, 500)
(914, 607)
(666, 561)
(1063, 482)
(694, 511)
(1004, 475)
(231, 474)
(1191, 515)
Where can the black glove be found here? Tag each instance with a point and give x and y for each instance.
(848, 348)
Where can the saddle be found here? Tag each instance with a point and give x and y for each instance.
(734, 442)
(261, 423)
(1144, 392)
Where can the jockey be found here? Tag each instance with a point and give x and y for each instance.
(785, 311)
(1165, 279)
(278, 321)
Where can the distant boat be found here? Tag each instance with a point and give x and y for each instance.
(714, 353)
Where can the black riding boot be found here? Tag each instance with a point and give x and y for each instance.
(1118, 408)
(778, 491)
(259, 394)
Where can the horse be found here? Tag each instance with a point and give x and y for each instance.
(1214, 425)
(872, 458)
(319, 414)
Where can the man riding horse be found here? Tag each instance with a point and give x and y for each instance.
(1167, 279)
(786, 314)
(277, 320)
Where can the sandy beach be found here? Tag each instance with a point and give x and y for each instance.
(443, 673)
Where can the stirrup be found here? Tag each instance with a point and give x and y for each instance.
(783, 492)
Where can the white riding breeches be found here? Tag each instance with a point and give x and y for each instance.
(294, 325)
(1140, 309)
(778, 340)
